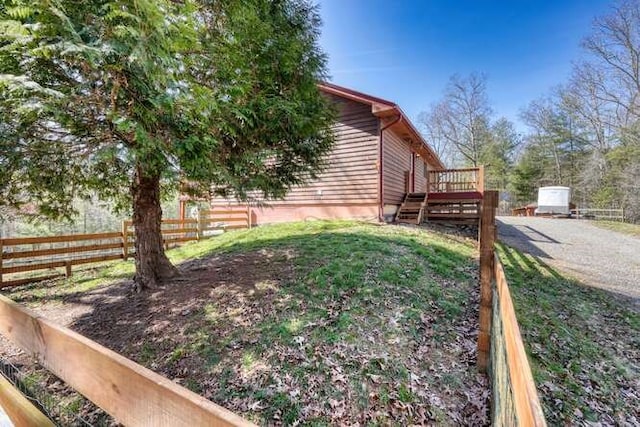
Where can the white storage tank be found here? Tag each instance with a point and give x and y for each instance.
(554, 200)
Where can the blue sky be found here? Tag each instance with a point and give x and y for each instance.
(405, 50)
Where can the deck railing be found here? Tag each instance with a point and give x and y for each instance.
(456, 180)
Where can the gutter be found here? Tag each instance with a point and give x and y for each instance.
(381, 163)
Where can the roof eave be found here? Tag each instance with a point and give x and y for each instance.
(412, 131)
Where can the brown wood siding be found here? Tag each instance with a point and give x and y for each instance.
(421, 178)
(396, 162)
(307, 211)
(351, 175)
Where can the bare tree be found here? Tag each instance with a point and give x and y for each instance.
(431, 125)
(459, 124)
(465, 115)
(612, 70)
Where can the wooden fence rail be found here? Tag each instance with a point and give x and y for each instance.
(500, 348)
(49, 255)
(19, 410)
(130, 393)
(515, 398)
(599, 214)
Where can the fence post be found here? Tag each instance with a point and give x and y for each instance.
(1, 249)
(67, 269)
(125, 240)
(487, 240)
(249, 216)
(201, 223)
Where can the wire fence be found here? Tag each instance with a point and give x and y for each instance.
(33, 386)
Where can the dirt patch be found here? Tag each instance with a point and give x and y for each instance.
(124, 321)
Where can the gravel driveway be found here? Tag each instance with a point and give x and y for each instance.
(601, 258)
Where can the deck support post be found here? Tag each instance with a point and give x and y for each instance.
(487, 240)
(480, 178)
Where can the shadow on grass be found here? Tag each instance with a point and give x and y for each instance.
(254, 306)
(582, 342)
(310, 267)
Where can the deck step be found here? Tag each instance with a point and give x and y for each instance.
(434, 201)
(412, 208)
(453, 215)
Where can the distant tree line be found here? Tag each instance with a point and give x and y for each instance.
(584, 134)
(92, 216)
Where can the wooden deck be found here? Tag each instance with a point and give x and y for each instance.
(454, 196)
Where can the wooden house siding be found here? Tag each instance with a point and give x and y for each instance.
(396, 164)
(350, 185)
(420, 177)
(350, 177)
(351, 174)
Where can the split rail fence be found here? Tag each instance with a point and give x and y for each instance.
(501, 351)
(131, 394)
(31, 259)
(599, 214)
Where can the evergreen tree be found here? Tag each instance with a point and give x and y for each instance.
(129, 98)
(498, 154)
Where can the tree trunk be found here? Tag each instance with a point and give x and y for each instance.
(152, 265)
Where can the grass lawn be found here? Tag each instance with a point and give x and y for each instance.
(620, 227)
(317, 323)
(584, 344)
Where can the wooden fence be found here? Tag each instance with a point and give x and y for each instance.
(54, 256)
(130, 393)
(19, 409)
(501, 351)
(599, 214)
(515, 398)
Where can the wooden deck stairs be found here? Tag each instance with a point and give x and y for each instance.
(453, 196)
(412, 209)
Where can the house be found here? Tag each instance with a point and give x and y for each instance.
(378, 158)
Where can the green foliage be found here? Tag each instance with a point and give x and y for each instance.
(497, 153)
(220, 94)
(526, 176)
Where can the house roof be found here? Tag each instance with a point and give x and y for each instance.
(387, 110)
